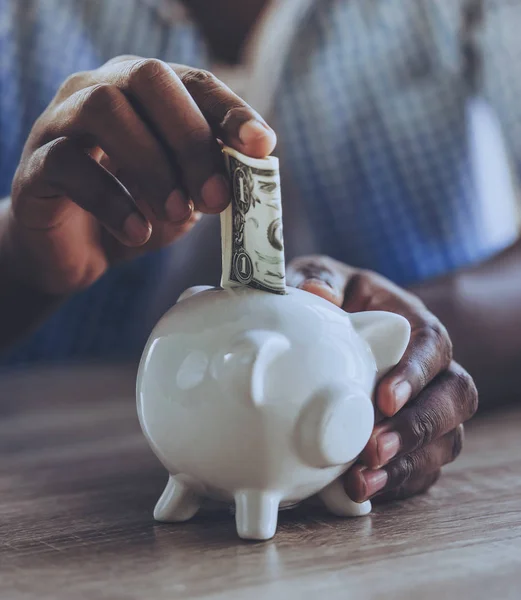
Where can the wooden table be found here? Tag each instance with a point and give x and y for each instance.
(78, 484)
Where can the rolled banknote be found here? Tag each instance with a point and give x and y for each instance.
(251, 226)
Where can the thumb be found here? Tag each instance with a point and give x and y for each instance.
(232, 119)
(320, 275)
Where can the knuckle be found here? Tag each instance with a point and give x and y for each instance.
(424, 427)
(414, 487)
(465, 391)
(423, 369)
(317, 268)
(456, 443)
(372, 290)
(146, 70)
(436, 336)
(74, 82)
(235, 112)
(99, 98)
(311, 259)
(121, 58)
(194, 145)
(45, 163)
(473, 403)
(440, 337)
(404, 470)
(434, 350)
(52, 153)
(312, 267)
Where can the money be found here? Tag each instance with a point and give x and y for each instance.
(251, 226)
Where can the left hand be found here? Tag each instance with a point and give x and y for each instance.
(421, 404)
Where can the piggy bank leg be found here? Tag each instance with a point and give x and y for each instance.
(179, 502)
(256, 514)
(340, 504)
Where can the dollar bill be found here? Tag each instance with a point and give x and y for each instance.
(251, 226)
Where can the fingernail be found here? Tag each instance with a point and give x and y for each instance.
(216, 193)
(321, 288)
(315, 283)
(177, 207)
(136, 229)
(252, 130)
(374, 481)
(388, 446)
(402, 394)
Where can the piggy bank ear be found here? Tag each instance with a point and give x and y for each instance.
(192, 291)
(386, 333)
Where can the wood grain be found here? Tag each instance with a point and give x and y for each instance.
(78, 485)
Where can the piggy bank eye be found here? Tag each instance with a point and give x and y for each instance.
(192, 370)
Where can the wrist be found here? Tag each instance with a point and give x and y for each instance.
(18, 267)
(23, 305)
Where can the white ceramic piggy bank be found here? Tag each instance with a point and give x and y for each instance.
(261, 400)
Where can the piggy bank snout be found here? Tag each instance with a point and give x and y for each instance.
(334, 427)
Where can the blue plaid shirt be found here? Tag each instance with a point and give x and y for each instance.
(376, 139)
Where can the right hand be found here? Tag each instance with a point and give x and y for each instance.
(123, 161)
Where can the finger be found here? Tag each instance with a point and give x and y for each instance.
(165, 230)
(60, 169)
(321, 276)
(232, 120)
(450, 400)
(414, 487)
(163, 234)
(429, 351)
(402, 473)
(175, 117)
(102, 115)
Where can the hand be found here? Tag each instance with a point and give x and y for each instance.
(123, 161)
(421, 404)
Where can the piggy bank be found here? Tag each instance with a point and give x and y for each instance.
(261, 400)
